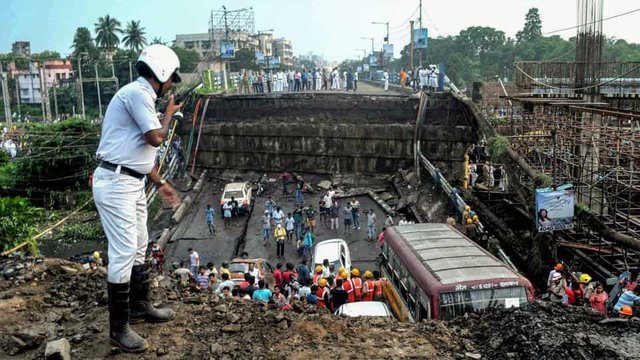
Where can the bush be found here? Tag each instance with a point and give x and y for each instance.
(8, 175)
(497, 147)
(79, 231)
(18, 222)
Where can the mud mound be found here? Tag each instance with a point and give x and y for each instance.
(550, 331)
(54, 299)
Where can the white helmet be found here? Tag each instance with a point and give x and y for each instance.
(162, 61)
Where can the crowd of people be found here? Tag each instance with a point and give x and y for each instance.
(579, 289)
(325, 287)
(316, 79)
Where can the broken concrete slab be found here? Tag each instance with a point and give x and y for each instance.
(182, 210)
(324, 185)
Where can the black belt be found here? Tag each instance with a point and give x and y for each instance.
(123, 169)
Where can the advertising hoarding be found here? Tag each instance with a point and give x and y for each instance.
(554, 209)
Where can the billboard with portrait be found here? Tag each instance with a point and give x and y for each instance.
(554, 209)
(420, 38)
(259, 57)
(227, 49)
(388, 50)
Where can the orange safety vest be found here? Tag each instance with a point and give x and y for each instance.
(378, 288)
(356, 282)
(316, 278)
(348, 287)
(370, 287)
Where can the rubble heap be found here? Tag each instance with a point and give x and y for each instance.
(58, 308)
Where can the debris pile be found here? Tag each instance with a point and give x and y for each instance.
(60, 312)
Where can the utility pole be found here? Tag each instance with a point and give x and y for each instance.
(411, 51)
(113, 75)
(130, 71)
(95, 66)
(84, 114)
(55, 101)
(420, 19)
(5, 98)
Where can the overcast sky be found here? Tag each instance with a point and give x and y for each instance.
(332, 28)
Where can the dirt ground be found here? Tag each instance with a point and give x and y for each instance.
(47, 299)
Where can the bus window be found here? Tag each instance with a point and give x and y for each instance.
(454, 304)
(411, 304)
(424, 312)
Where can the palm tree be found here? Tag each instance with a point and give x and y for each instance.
(82, 42)
(107, 30)
(134, 36)
(157, 40)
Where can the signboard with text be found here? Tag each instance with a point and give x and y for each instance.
(554, 209)
(420, 37)
(373, 60)
(259, 57)
(227, 49)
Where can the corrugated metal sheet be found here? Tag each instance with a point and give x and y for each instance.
(450, 256)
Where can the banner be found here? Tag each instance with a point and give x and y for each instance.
(554, 209)
(227, 49)
(388, 50)
(365, 67)
(373, 60)
(274, 62)
(420, 37)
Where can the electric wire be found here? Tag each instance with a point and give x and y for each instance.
(592, 22)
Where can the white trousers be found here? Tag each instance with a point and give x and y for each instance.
(122, 205)
(385, 85)
(334, 84)
(318, 84)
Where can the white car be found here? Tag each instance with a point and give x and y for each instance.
(241, 192)
(334, 250)
(364, 308)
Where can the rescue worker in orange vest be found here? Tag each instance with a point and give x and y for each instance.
(348, 287)
(323, 293)
(318, 275)
(356, 282)
(368, 287)
(377, 285)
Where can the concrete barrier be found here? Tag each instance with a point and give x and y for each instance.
(182, 209)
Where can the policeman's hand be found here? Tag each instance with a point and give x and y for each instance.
(169, 196)
(172, 107)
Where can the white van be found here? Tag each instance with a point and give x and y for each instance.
(334, 250)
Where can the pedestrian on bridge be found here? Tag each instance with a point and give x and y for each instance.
(385, 80)
(131, 135)
(297, 77)
(280, 234)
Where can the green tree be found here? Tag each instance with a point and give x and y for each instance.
(189, 59)
(83, 43)
(134, 36)
(18, 223)
(46, 56)
(245, 59)
(532, 27)
(158, 41)
(107, 30)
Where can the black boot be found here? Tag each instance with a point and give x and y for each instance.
(141, 305)
(120, 333)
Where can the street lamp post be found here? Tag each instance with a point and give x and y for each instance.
(369, 38)
(386, 39)
(364, 53)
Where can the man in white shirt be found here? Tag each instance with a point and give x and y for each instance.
(131, 134)
(385, 80)
(194, 261)
(424, 78)
(355, 81)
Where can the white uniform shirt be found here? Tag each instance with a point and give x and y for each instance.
(131, 113)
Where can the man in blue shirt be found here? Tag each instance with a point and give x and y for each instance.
(263, 294)
(226, 282)
(628, 297)
(210, 214)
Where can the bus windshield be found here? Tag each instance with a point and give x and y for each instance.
(453, 304)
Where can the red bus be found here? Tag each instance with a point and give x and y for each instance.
(438, 273)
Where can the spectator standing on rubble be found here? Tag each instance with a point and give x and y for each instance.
(266, 226)
(289, 225)
(355, 211)
(286, 179)
(297, 221)
(557, 290)
(280, 234)
(278, 215)
(371, 225)
(299, 189)
(131, 135)
(194, 261)
(347, 214)
(182, 274)
(226, 214)
(311, 218)
(269, 205)
(598, 299)
(210, 214)
(202, 279)
(157, 258)
(334, 214)
(388, 220)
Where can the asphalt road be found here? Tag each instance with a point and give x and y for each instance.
(193, 231)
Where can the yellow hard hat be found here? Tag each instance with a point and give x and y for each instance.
(96, 255)
(467, 207)
(585, 278)
(322, 282)
(340, 269)
(344, 275)
(469, 221)
(355, 272)
(368, 274)
(319, 268)
(475, 217)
